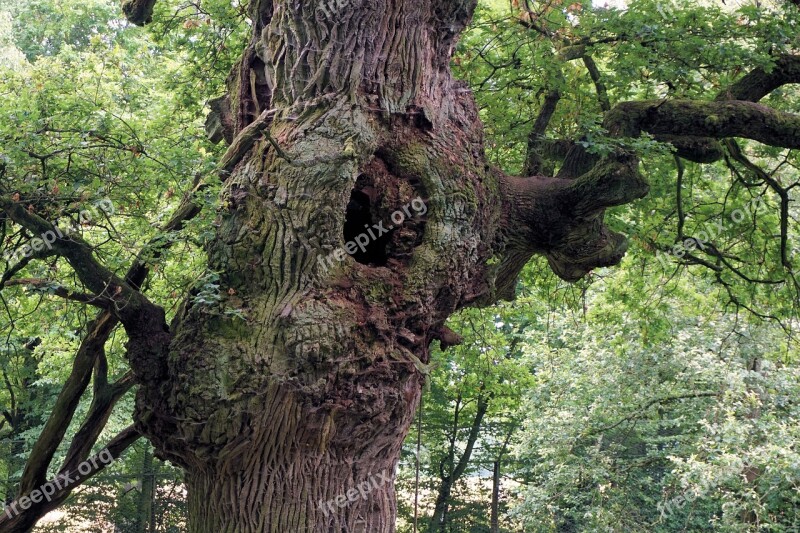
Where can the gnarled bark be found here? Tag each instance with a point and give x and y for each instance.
(280, 417)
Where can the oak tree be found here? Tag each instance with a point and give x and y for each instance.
(358, 213)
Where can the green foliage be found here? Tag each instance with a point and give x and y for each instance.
(44, 27)
(657, 396)
(209, 36)
(94, 138)
(636, 406)
(489, 365)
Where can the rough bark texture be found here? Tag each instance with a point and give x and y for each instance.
(281, 417)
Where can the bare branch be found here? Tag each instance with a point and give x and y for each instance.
(59, 290)
(651, 403)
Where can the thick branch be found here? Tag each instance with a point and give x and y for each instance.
(576, 241)
(144, 322)
(718, 120)
(127, 303)
(92, 348)
(103, 402)
(694, 149)
(752, 87)
(760, 82)
(563, 219)
(692, 143)
(597, 79)
(64, 409)
(534, 164)
(577, 161)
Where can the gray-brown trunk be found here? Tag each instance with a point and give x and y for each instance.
(292, 418)
(300, 386)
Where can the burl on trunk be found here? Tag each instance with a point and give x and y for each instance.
(358, 214)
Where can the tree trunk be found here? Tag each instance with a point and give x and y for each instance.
(494, 525)
(358, 214)
(438, 523)
(144, 505)
(456, 470)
